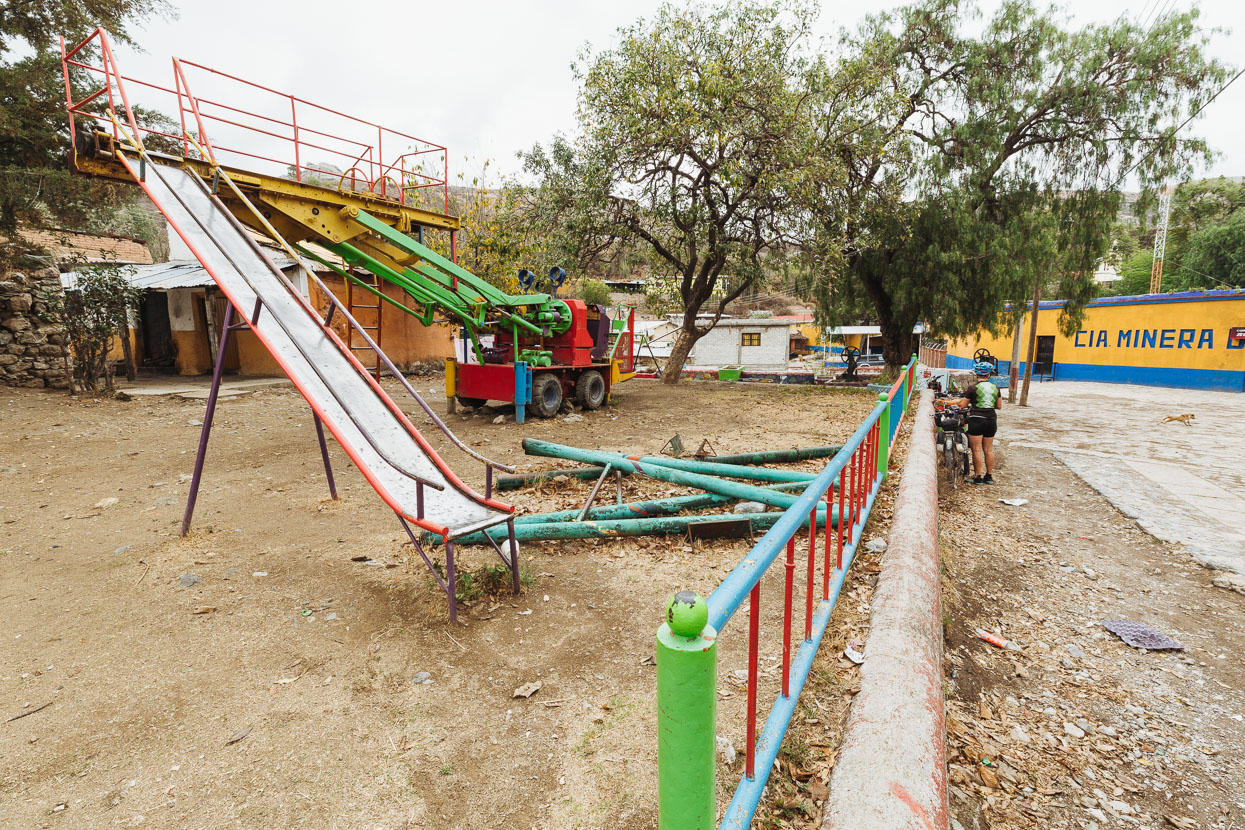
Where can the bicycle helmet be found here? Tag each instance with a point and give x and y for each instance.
(983, 368)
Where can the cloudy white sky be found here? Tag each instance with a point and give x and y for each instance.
(487, 79)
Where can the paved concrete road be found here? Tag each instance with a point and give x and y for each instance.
(1183, 484)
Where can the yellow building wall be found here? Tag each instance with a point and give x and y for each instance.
(1177, 340)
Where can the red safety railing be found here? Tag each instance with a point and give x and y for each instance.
(278, 131)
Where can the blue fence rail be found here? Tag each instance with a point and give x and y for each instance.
(687, 641)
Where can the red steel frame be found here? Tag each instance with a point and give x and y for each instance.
(395, 178)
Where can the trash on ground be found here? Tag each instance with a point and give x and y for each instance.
(726, 749)
(422, 678)
(996, 640)
(876, 545)
(1015, 502)
(1139, 635)
(239, 735)
(528, 689)
(854, 652)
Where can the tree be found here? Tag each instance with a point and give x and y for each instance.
(35, 184)
(1020, 129)
(692, 139)
(1214, 257)
(94, 314)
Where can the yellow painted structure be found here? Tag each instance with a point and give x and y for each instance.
(1178, 340)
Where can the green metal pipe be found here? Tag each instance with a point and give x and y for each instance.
(514, 482)
(775, 456)
(711, 484)
(643, 509)
(615, 528)
(714, 468)
(662, 473)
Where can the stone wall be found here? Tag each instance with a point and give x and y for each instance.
(31, 350)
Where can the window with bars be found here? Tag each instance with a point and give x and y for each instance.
(750, 338)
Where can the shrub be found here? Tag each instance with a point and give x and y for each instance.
(594, 292)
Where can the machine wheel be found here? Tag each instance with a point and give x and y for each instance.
(546, 395)
(590, 389)
(470, 403)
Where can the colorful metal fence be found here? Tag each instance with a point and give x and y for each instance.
(687, 689)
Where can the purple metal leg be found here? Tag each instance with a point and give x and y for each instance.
(226, 331)
(324, 453)
(451, 584)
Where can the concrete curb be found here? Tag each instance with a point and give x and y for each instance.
(891, 772)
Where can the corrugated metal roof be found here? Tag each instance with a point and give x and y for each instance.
(164, 276)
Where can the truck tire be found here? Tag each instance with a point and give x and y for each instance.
(590, 389)
(546, 395)
(470, 403)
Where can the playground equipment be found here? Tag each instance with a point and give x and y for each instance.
(216, 209)
(533, 350)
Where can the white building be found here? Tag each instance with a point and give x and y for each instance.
(753, 343)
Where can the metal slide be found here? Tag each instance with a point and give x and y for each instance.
(369, 426)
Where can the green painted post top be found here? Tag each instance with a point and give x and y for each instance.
(687, 614)
(686, 716)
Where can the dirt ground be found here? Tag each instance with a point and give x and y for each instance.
(289, 700)
(1077, 729)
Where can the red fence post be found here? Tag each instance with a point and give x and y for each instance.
(754, 633)
(812, 568)
(825, 545)
(838, 562)
(786, 618)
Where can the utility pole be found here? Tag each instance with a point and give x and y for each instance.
(1013, 373)
(1160, 240)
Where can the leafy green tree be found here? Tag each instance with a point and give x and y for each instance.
(1214, 257)
(35, 184)
(1134, 274)
(1009, 146)
(693, 138)
(94, 314)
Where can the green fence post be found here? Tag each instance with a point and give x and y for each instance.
(687, 677)
(884, 444)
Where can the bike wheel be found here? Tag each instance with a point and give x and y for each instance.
(948, 449)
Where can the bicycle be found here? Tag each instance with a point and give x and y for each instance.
(951, 438)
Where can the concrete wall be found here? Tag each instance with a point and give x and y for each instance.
(892, 766)
(722, 346)
(1178, 340)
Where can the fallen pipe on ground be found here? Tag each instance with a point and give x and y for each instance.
(612, 529)
(708, 483)
(713, 468)
(513, 482)
(643, 509)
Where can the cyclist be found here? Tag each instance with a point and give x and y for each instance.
(983, 399)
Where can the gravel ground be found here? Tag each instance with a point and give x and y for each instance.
(1070, 727)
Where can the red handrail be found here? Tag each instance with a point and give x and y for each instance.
(359, 144)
